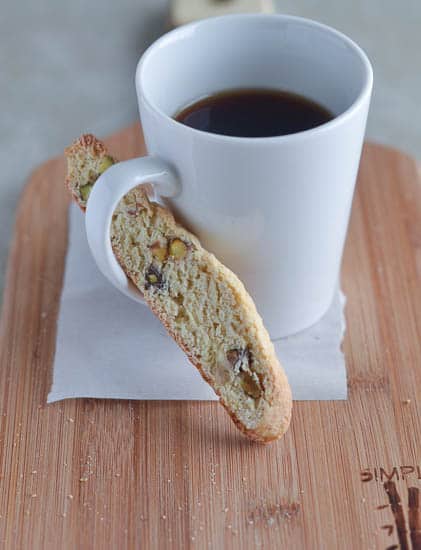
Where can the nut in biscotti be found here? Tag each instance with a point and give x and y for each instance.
(159, 251)
(105, 163)
(178, 249)
(240, 359)
(154, 278)
(85, 191)
(251, 385)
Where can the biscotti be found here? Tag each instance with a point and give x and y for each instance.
(202, 304)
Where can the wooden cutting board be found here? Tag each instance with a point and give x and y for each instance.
(99, 474)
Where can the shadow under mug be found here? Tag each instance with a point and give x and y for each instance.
(275, 210)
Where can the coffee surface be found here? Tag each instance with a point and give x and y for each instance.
(254, 113)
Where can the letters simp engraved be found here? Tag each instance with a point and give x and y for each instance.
(395, 473)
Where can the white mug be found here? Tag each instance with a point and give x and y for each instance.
(275, 210)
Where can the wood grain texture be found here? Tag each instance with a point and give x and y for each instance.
(116, 474)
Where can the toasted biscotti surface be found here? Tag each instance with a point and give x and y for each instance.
(203, 305)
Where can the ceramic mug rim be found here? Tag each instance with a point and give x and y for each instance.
(166, 39)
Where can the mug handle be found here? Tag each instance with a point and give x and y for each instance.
(108, 190)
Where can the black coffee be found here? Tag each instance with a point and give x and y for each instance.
(254, 113)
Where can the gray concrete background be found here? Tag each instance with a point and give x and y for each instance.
(68, 67)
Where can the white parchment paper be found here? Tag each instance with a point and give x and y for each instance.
(111, 347)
